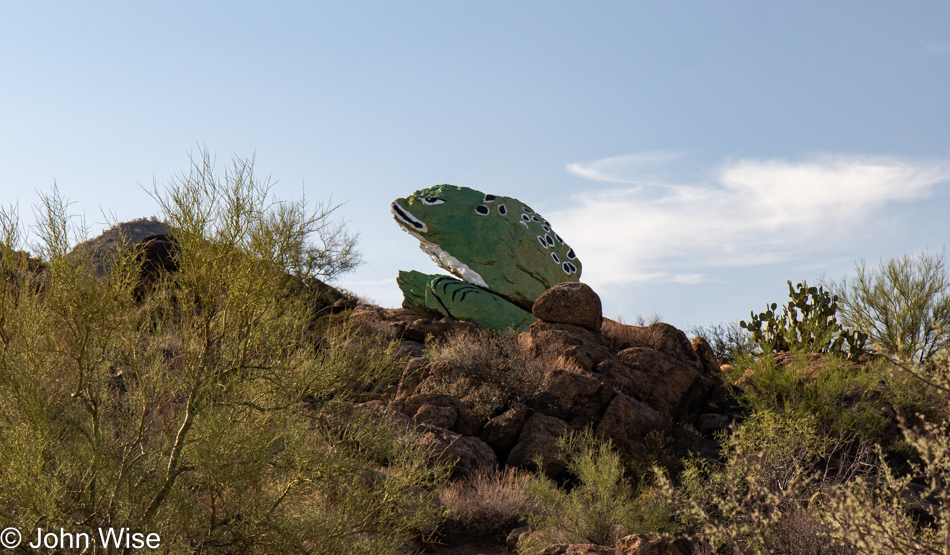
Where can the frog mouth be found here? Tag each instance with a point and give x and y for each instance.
(406, 218)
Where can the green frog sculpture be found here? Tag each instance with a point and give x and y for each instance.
(504, 252)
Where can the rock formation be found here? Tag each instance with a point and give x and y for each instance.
(622, 382)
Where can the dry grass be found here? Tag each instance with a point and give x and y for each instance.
(490, 502)
(490, 370)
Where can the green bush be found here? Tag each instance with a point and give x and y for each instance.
(756, 500)
(892, 513)
(194, 412)
(601, 508)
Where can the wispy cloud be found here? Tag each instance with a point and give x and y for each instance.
(747, 212)
(622, 169)
(938, 47)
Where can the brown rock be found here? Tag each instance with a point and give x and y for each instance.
(712, 422)
(402, 323)
(501, 432)
(626, 421)
(568, 393)
(439, 410)
(577, 346)
(432, 415)
(539, 439)
(645, 544)
(569, 303)
(661, 337)
(465, 453)
(416, 369)
(663, 382)
(706, 356)
(578, 549)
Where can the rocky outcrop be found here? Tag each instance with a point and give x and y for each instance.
(620, 381)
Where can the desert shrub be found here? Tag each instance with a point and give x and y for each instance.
(602, 507)
(187, 414)
(891, 513)
(903, 305)
(756, 500)
(808, 323)
(489, 369)
(490, 502)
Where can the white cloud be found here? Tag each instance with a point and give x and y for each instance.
(748, 212)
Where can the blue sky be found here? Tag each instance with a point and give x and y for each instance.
(695, 154)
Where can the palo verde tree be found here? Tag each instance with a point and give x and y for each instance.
(903, 305)
(190, 413)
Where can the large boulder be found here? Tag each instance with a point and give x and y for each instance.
(438, 410)
(660, 336)
(626, 422)
(466, 454)
(538, 440)
(706, 355)
(572, 395)
(570, 303)
(502, 431)
(576, 346)
(665, 383)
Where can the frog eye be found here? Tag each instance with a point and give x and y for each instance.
(502, 210)
(489, 198)
(429, 201)
(482, 210)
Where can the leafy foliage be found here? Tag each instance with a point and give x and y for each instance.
(903, 305)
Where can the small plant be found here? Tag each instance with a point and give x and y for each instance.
(808, 323)
(601, 508)
(490, 502)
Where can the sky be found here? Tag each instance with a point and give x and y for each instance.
(696, 155)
